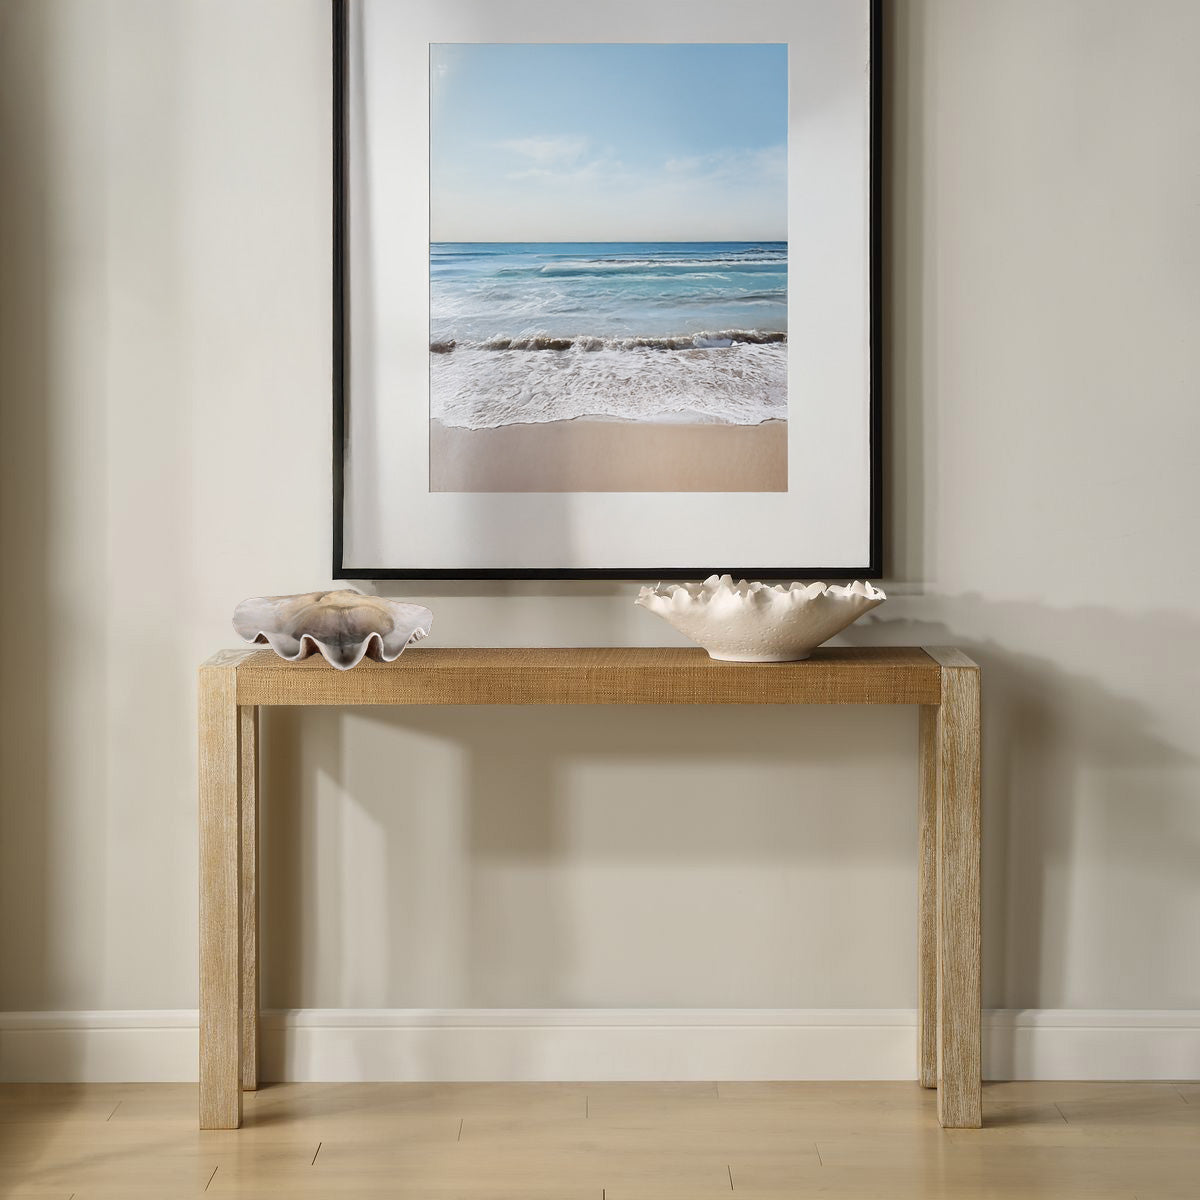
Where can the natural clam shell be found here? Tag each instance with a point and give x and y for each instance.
(755, 622)
(343, 625)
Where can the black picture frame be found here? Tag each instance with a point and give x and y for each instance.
(341, 570)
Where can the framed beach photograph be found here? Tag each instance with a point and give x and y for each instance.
(605, 289)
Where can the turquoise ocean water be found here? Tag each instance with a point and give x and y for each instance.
(481, 291)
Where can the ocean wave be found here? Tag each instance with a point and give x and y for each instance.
(620, 295)
(639, 266)
(742, 383)
(605, 268)
(708, 340)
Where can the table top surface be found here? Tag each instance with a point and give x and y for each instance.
(593, 675)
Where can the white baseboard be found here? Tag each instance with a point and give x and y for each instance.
(108, 1046)
(350, 1045)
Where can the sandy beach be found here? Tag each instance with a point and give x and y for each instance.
(609, 456)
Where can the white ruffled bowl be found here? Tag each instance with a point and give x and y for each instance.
(755, 622)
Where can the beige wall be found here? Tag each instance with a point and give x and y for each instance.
(165, 375)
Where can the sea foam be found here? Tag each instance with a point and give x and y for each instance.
(705, 340)
(740, 382)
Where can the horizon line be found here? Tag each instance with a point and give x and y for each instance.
(591, 241)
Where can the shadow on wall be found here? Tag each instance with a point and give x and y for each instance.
(1083, 795)
(27, 335)
(471, 837)
(29, 787)
(908, 287)
(1068, 761)
(29, 705)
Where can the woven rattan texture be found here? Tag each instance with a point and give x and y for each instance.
(626, 675)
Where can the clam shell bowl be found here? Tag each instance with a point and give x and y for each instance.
(344, 626)
(755, 622)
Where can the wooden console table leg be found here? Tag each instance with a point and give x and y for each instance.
(248, 812)
(220, 881)
(927, 901)
(958, 903)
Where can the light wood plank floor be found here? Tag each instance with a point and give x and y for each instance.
(861, 1141)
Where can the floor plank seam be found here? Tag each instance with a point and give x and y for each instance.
(1127, 1129)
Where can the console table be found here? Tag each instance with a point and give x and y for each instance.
(234, 684)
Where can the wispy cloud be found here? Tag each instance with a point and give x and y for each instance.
(546, 152)
(608, 172)
(562, 162)
(561, 188)
(765, 163)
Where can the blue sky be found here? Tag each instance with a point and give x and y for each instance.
(587, 142)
